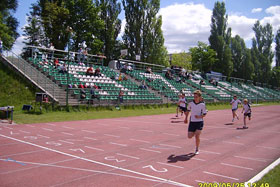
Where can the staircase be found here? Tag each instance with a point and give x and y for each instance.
(40, 80)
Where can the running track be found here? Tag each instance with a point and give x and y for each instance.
(138, 151)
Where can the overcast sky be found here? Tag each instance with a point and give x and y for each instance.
(187, 22)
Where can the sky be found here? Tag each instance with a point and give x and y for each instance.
(185, 22)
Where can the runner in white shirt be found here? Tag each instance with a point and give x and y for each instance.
(234, 103)
(247, 112)
(198, 112)
(182, 104)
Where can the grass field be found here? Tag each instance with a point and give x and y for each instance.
(272, 178)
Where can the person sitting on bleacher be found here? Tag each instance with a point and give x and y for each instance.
(97, 72)
(62, 69)
(124, 69)
(55, 63)
(202, 82)
(90, 71)
(143, 85)
(178, 79)
(81, 86)
(149, 70)
(168, 75)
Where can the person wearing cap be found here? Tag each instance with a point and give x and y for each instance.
(234, 106)
(198, 111)
(247, 112)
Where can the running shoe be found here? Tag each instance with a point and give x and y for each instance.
(196, 152)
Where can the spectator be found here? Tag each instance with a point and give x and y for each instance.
(84, 55)
(129, 67)
(81, 86)
(72, 56)
(143, 85)
(83, 93)
(168, 75)
(120, 77)
(1, 47)
(149, 70)
(178, 79)
(79, 56)
(202, 82)
(124, 69)
(55, 62)
(97, 72)
(51, 54)
(92, 92)
(90, 71)
(121, 94)
(62, 68)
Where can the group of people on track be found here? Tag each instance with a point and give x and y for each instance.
(197, 111)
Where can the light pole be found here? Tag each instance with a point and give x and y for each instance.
(69, 31)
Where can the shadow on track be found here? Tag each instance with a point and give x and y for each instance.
(174, 158)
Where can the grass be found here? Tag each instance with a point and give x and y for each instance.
(84, 113)
(271, 179)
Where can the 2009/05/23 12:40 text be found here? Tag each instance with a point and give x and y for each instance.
(224, 184)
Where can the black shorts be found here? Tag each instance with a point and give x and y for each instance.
(184, 109)
(193, 126)
(234, 109)
(247, 114)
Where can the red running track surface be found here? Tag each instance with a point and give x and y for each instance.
(138, 151)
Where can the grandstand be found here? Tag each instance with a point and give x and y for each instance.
(64, 88)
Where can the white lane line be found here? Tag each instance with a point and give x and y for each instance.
(150, 150)
(96, 162)
(26, 132)
(112, 135)
(224, 176)
(268, 147)
(198, 159)
(199, 181)
(139, 140)
(94, 148)
(67, 133)
(50, 124)
(66, 142)
(88, 131)
(100, 172)
(67, 127)
(171, 134)
(233, 143)
(210, 152)
(262, 173)
(123, 145)
(170, 165)
(128, 156)
(255, 159)
(31, 126)
(235, 166)
(167, 145)
(124, 127)
(7, 127)
(47, 129)
(89, 138)
(42, 136)
(146, 131)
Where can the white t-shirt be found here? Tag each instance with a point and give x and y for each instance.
(196, 109)
(235, 103)
(182, 102)
(247, 108)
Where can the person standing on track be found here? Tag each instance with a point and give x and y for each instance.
(198, 112)
(234, 103)
(247, 112)
(182, 104)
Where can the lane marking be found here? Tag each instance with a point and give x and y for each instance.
(123, 145)
(88, 131)
(152, 168)
(42, 136)
(209, 152)
(94, 148)
(66, 142)
(67, 133)
(170, 165)
(233, 143)
(140, 140)
(89, 138)
(200, 181)
(150, 150)
(171, 146)
(31, 126)
(235, 166)
(96, 171)
(255, 159)
(26, 132)
(47, 129)
(128, 156)
(146, 131)
(67, 127)
(78, 150)
(12, 160)
(16, 154)
(171, 134)
(268, 147)
(198, 159)
(124, 127)
(224, 176)
(263, 172)
(112, 135)
(8, 127)
(13, 133)
(50, 124)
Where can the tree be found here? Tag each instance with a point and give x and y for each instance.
(275, 77)
(203, 57)
(220, 39)
(277, 48)
(261, 47)
(143, 35)
(8, 24)
(182, 59)
(110, 10)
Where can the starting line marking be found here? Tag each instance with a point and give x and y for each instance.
(67, 133)
(123, 145)
(67, 127)
(255, 159)
(47, 129)
(171, 146)
(66, 142)
(237, 166)
(150, 150)
(112, 135)
(42, 136)
(100, 163)
(233, 143)
(210, 152)
(94, 148)
(220, 175)
(90, 138)
(128, 156)
(88, 131)
(140, 140)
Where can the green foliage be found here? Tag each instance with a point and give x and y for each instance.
(110, 10)
(261, 49)
(220, 38)
(182, 59)
(277, 48)
(203, 57)
(8, 24)
(143, 35)
(275, 77)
